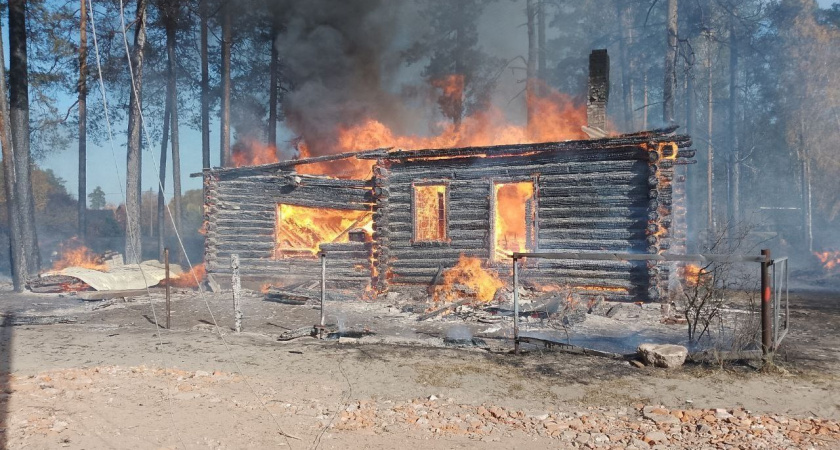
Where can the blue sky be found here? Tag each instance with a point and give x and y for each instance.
(108, 170)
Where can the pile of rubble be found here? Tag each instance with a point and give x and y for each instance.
(632, 427)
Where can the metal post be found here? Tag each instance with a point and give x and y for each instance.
(515, 306)
(766, 319)
(323, 286)
(166, 269)
(236, 285)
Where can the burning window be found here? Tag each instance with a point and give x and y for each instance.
(302, 229)
(514, 218)
(430, 208)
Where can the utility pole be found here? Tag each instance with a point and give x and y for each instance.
(82, 120)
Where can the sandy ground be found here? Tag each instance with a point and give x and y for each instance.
(110, 381)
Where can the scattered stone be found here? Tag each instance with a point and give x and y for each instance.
(655, 437)
(659, 415)
(663, 355)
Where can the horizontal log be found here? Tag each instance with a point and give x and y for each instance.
(513, 167)
(552, 173)
(602, 245)
(592, 234)
(592, 223)
(455, 235)
(408, 252)
(592, 212)
(266, 217)
(253, 204)
(466, 244)
(299, 195)
(347, 246)
(237, 233)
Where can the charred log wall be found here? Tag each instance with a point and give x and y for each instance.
(240, 218)
(591, 196)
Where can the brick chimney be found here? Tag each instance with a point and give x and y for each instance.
(599, 89)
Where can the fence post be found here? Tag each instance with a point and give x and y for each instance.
(236, 285)
(323, 287)
(766, 309)
(166, 269)
(515, 306)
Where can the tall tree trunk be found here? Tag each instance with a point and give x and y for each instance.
(273, 68)
(225, 107)
(82, 120)
(710, 149)
(19, 127)
(645, 100)
(670, 65)
(17, 253)
(808, 224)
(205, 86)
(531, 69)
(542, 69)
(734, 167)
(624, 43)
(690, 115)
(172, 98)
(692, 184)
(161, 203)
(133, 248)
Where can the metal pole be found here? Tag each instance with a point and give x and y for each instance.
(766, 319)
(166, 269)
(236, 285)
(515, 306)
(323, 286)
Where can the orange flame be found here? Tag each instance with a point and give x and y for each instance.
(451, 98)
(302, 229)
(188, 279)
(556, 118)
(512, 217)
(430, 213)
(693, 274)
(468, 272)
(75, 254)
(830, 260)
(250, 152)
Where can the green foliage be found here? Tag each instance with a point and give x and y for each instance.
(97, 198)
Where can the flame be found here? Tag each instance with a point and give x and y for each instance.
(430, 213)
(250, 152)
(75, 254)
(468, 272)
(188, 279)
(830, 260)
(451, 98)
(693, 274)
(660, 149)
(556, 118)
(512, 217)
(302, 228)
(265, 287)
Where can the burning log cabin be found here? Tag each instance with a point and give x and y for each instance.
(421, 210)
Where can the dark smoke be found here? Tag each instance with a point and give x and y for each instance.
(340, 57)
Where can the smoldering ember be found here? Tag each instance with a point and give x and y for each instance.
(589, 224)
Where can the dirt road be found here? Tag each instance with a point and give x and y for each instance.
(109, 381)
